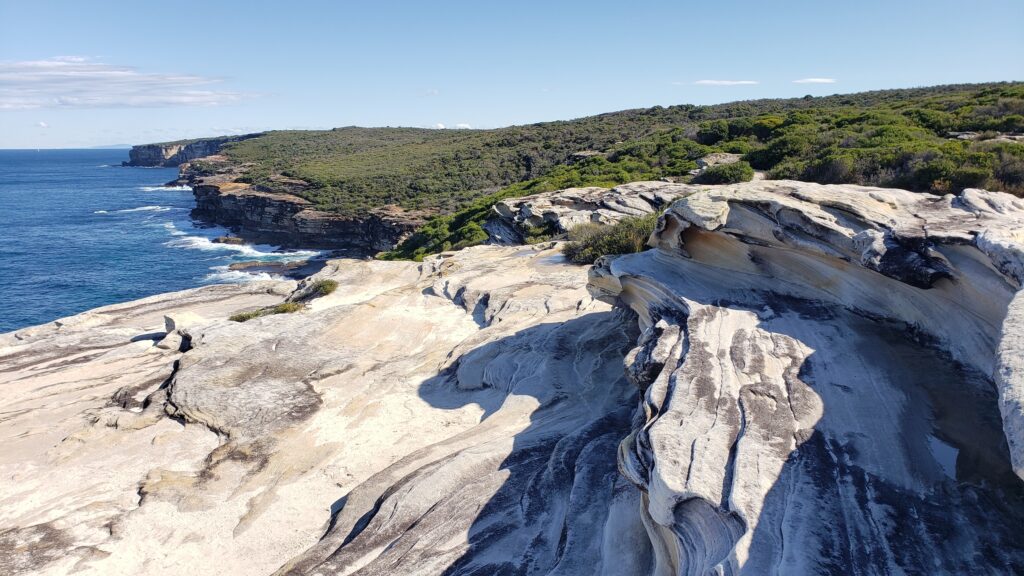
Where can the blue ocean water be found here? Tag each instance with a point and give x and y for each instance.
(79, 231)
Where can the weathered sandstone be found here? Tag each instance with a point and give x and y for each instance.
(564, 209)
(831, 381)
(798, 379)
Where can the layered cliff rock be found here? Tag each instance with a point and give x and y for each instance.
(290, 220)
(799, 379)
(175, 153)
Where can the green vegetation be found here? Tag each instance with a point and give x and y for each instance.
(588, 242)
(282, 308)
(321, 288)
(668, 153)
(246, 316)
(890, 138)
(896, 138)
(726, 174)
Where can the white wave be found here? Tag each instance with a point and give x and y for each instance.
(165, 188)
(101, 212)
(104, 166)
(173, 230)
(224, 275)
(260, 251)
(147, 209)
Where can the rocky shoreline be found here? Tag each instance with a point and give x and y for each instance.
(290, 221)
(283, 218)
(796, 379)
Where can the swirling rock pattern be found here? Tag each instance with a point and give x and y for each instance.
(798, 379)
(822, 371)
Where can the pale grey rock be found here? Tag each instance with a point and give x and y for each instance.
(717, 158)
(830, 379)
(564, 209)
(799, 379)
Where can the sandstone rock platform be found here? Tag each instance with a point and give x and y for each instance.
(797, 379)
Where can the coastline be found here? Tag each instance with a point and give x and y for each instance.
(282, 218)
(82, 232)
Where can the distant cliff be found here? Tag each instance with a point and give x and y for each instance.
(175, 153)
(289, 220)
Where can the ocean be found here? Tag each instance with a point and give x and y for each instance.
(80, 231)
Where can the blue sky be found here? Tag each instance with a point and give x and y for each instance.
(75, 74)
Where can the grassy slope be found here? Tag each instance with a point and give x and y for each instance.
(887, 138)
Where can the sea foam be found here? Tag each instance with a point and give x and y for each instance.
(165, 188)
(146, 209)
(224, 275)
(261, 252)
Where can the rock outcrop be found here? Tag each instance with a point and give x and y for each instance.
(290, 220)
(831, 381)
(798, 379)
(563, 209)
(172, 154)
(283, 217)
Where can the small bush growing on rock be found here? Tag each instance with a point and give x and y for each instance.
(282, 308)
(245, 316)
(538, 234)
(285, 308)
(322, 288)
(588, 242)
(726, 174)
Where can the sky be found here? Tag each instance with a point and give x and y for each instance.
(83, 74)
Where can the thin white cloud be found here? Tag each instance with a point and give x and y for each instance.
(815, 81)
(42, 124)
(79, 82)
(726, 82)
(463, 126)
(439, 126)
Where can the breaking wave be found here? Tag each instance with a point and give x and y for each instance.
(224, 275)
(165, 188)
(260, 251)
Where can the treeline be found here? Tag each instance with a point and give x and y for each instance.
(874, 139)
(909, 139)
(888, 138)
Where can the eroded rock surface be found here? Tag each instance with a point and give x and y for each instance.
(564, 209)
(460, 415)
(799, 379)
(822, 370)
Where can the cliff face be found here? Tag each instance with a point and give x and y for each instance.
(289, 220)
(174, 154)
(798, 379)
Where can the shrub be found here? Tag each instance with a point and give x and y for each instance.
(321, 288)
(1009, 169)
(736, 147)
(285, 308)
(245, 316)
(282, 308)
(538, 234)
(713, 132)
(726, 174)
(764, 128)
(588, 242)
(832, 170)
